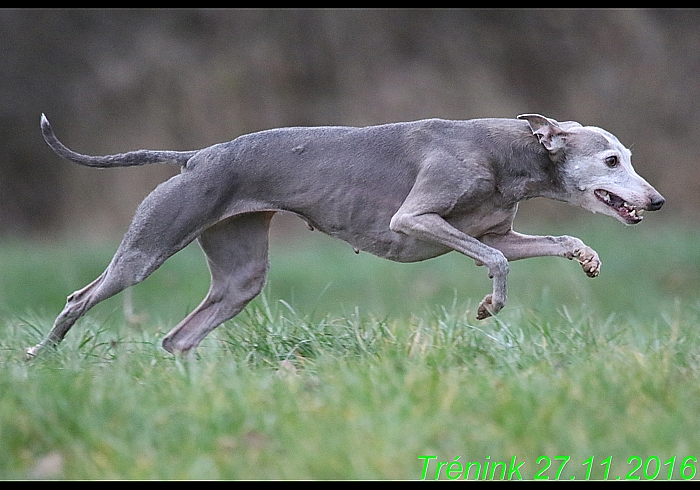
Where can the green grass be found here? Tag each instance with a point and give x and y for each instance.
(353, 367)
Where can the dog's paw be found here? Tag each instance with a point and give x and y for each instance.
(588, 258)
(485, 308)
(31, 352)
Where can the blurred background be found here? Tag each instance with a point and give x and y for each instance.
(116, 80)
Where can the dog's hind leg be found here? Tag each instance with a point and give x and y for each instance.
(164, 223)
(236, 250)
(109, 283)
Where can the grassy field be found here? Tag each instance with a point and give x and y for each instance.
(353, 367)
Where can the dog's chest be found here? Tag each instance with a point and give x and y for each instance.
(483, 220)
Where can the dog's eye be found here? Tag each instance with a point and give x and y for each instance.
(611, 161)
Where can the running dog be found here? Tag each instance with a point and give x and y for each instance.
(405, 191)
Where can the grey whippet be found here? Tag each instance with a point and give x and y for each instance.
(406, 192)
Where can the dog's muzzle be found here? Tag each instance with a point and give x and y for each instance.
(628, 212)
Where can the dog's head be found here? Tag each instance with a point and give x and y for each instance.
(596, 169)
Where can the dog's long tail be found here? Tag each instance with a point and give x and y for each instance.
(129, 159)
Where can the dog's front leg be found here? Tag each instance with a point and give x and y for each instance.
(433, 228)
(516, 246)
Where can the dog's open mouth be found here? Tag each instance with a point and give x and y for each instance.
(629, 213)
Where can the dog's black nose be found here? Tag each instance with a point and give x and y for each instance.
(656, 202)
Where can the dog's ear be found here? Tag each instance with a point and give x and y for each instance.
(548, 131)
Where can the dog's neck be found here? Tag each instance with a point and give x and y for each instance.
(528, 170)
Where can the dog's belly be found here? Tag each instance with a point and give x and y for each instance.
(363, 220)
(369, 232)
(392, 246)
